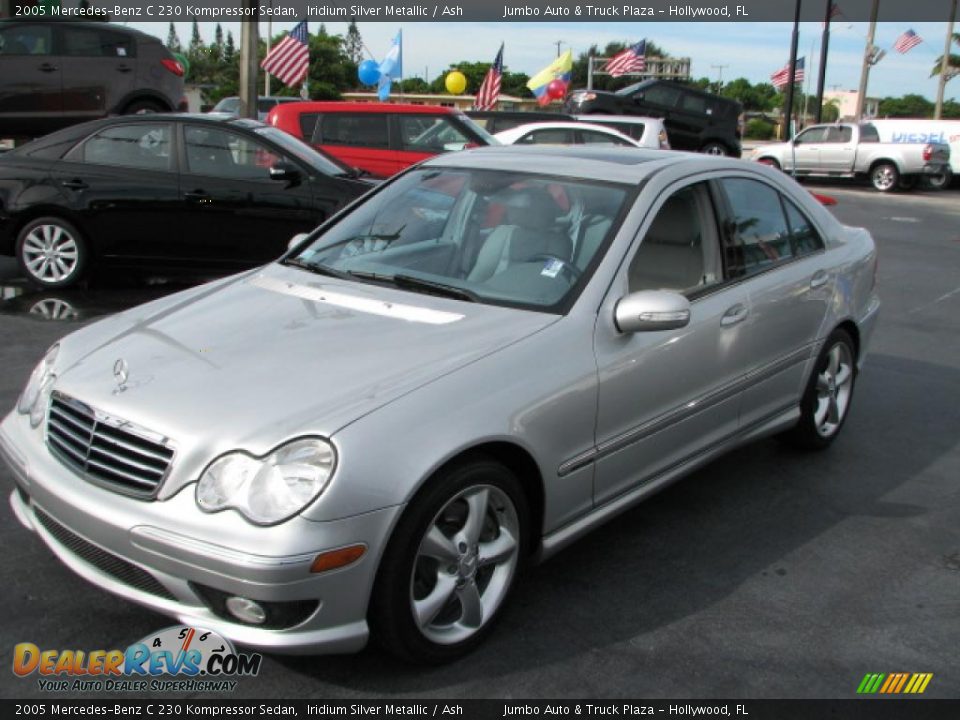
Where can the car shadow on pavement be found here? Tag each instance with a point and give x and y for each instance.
(690, 547)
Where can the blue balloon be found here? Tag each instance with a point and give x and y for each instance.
(369, 72)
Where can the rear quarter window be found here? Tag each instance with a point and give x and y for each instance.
(356, 129)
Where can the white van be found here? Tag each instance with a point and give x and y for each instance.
(918, 130)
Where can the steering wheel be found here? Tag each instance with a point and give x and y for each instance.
(568, 266)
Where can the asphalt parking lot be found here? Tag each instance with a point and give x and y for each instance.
(769, 573)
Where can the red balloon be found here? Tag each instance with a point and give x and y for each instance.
(556, 89)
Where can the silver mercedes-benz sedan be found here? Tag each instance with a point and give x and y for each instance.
(465, 370)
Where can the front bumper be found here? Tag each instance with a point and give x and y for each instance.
(163, 554)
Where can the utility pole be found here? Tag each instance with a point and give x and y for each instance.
(248, 61)
(945, 63)
(558, 43)
(266, 75)
(719, 69)
(870, 57)
(794, 40)
(822, 73)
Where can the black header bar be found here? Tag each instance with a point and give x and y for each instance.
(407, 11)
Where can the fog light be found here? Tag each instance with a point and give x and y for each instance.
(246, 610)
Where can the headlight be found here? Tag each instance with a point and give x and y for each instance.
(32, 400)
(270, 489)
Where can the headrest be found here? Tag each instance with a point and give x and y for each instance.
(676, 223)
(532, 208)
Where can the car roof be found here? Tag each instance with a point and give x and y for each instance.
(619, 165)
(570, 125)
(87, 24)
(626, 119)
(334, 106)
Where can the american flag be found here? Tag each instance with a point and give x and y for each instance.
(490, 88)
(906, 42)
(781, 78)
(633, 59)
(290, 59)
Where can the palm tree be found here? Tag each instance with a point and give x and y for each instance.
(953, 62)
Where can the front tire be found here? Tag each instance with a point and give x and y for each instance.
(884, 177)
(451, 563)
(51, 253)
(828, 395)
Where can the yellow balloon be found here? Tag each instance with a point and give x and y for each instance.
(456, 83)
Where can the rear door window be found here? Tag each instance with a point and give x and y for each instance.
(429, 133)
(662, 95)
(84, 42)
(138, 145)
(356, 129)
(554, 136)
(757, 235)
(693, 103)
(592, 137)
(218, 153)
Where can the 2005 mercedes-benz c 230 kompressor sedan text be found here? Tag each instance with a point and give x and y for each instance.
(465, 369)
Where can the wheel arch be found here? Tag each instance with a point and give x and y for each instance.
(850, 327)
(884, 161)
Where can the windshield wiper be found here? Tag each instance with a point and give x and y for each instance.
(408, 282)
(317, 269)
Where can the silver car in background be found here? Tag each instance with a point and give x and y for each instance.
(465, 370)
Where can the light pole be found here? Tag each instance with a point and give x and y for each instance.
(822, 71)
(719, 69)
(248, 61)
(945, 63)
(871, 56)
(788, 103)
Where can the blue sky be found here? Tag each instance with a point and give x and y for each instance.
(751, 50)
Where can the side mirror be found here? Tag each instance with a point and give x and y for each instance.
(285, 172)
(296, 240)
(651, 310)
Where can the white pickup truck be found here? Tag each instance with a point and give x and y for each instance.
(853, 150)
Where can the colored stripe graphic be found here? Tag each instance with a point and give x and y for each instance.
(894, 683)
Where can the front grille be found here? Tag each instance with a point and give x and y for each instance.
(114, 452)
(113, 566)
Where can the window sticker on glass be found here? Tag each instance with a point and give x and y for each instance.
(552, 268)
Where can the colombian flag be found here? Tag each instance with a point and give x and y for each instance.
(559, 69)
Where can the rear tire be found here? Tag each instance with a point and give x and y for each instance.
(714, 148)
(451, 563)
(940, 181)
(143, 107)
(829, 393)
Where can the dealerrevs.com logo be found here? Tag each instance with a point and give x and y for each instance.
(197, 659)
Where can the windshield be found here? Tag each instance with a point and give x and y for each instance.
(315, 158)
(631, 89)
(505, 238)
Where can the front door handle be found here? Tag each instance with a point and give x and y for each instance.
(819, 278)
(75, 184)
(47, 68)
(197, 195)
(737, 314)
(124, 68)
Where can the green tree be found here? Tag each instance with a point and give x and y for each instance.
(196, 42)
(953, 63)
(173, 40)
(414, 85)
(353, 43)
(757, 98)
(911, 105)
(229, 48)
(511, 83)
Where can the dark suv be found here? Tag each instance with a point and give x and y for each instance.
(54, 74)
(695, 120)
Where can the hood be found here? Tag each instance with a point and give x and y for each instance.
(276, 354)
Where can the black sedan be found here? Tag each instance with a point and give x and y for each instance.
(177, 191)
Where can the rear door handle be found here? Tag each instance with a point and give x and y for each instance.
(124, 68)
(47, 68)
(196, 195)
(738, 313)
(819, 278)
(75, 184)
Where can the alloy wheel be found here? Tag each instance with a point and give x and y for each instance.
(834, 388)
(884, 178)
(465, 564)
(50, 253)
